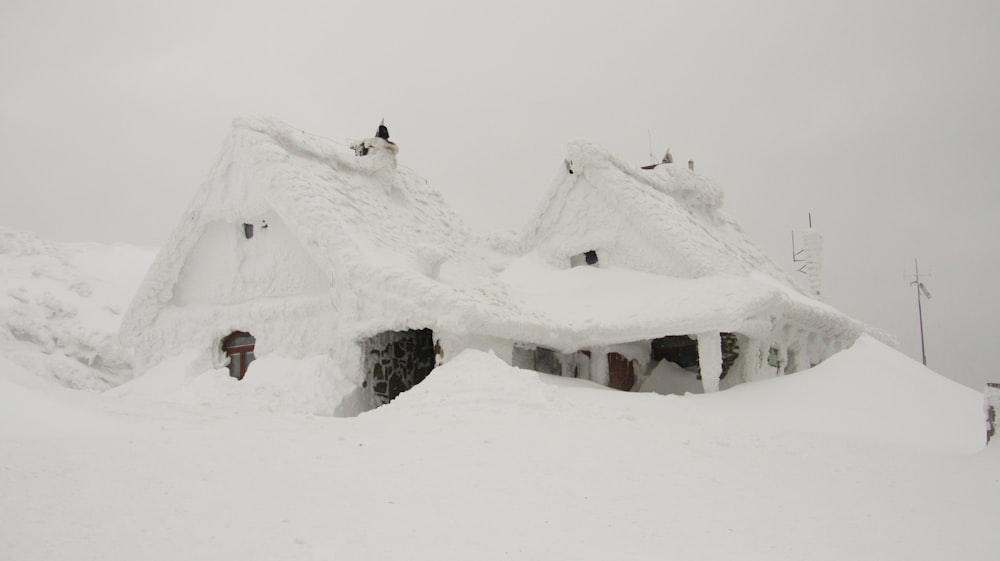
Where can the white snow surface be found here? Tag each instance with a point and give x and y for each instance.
(867, 456)
(311, 385)
(346, 247)
(61, 305)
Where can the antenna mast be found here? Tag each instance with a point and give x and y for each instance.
(921, 289)
(652, 158)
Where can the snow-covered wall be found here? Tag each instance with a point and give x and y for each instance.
(586, 217)
(226, 267)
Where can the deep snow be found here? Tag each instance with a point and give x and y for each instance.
(61, 305)
(867, 456)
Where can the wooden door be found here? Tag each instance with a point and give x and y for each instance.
(621, 372)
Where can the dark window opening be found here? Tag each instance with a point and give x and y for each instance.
(539, 359)
(547, 362)
(585, 258)
(239, 346)
(395, 361)
(678, 349)
(247, 230)
(774, 358)
(683, 351)
(730, 352)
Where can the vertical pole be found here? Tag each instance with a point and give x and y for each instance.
(710, 360)
(920, 313)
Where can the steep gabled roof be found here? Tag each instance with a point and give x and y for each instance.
(675, 208)
(357, 217)
(408, 261)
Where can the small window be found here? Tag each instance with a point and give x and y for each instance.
(547, 362)
(585, 258)
(247, 230)
(239, 347)
(539, 359)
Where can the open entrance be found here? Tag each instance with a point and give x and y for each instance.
(678, 349)
(683, 351)
(395, 361)
(238, 346)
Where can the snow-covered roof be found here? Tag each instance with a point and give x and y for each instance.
(673, 208)
(671, 261)
(359, 218)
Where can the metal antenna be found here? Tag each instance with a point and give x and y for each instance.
(795, 254)
(921, 289)
(652, 158)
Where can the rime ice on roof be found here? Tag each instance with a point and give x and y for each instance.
(348, 246)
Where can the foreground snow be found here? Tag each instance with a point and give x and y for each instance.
(868, 456)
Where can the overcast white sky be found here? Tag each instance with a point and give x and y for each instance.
(879, 117)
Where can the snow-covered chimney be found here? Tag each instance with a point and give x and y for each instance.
(991, 406)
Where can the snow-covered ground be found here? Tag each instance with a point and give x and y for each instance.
(61, 304)
(867, 456)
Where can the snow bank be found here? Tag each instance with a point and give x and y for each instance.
(34, 408)
(310, 386)
(485, 461)
(869, 392)
(668, 378)
(61, 305)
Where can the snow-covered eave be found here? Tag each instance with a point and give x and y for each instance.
(817, 316)
(571, 338)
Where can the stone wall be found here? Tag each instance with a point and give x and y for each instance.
(395, 361)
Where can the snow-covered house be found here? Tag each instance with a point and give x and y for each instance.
(298, 246)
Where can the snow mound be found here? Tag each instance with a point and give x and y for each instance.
(310, 386)
(33, 408)
(481, 451)
(61, 305)
(869, 392)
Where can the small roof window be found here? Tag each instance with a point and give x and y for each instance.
(585, 258)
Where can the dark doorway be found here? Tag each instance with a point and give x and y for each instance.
(683, 351)
(678, 349)
(239, 347)
(621, 372)
(395, 361)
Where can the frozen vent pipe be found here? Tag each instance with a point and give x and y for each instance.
(811, 256)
